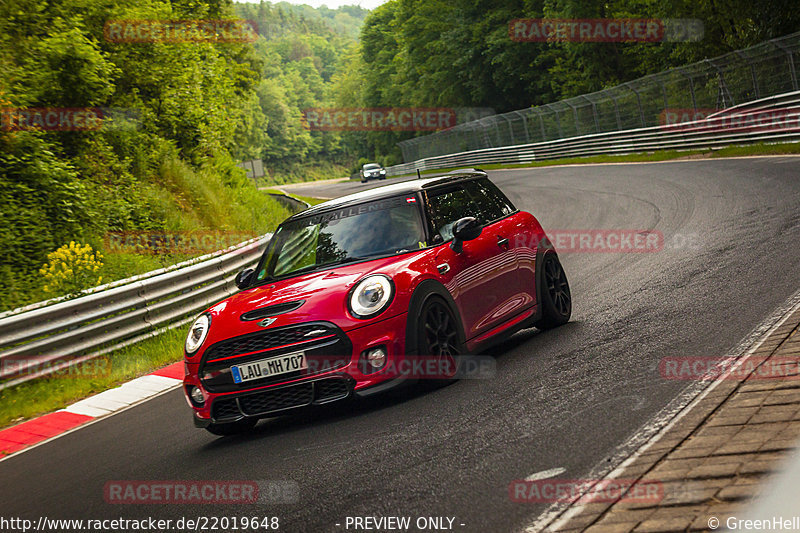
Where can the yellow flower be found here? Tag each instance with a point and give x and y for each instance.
(71, 269)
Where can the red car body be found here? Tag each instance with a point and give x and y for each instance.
(490, 285)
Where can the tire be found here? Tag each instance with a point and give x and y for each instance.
(556, 299)
(438, 337)
(233, 428)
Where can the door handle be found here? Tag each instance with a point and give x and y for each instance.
(502, 241)
(444, 268)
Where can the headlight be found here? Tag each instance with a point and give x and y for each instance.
(371, 296)
(383, 172)
(197, 334)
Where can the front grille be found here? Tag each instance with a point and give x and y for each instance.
(268, 340)
(277, 399)
(282, 398)
(327, 348)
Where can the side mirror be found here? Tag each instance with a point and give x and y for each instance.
(244, 278)
(465, 229)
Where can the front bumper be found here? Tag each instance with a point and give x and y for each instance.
(347, 378)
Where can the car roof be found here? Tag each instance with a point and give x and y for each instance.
(387, 191)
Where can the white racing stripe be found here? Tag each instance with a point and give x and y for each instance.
(127, 394)
(546, 474)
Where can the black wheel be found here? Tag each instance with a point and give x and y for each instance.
(438, 338)
(556, 299)
(233, 428)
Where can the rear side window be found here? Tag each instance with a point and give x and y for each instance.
(475, 198)
(447, 205)
(488, 193)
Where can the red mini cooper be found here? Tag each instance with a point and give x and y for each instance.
(350, 295)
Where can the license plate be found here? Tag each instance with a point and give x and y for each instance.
(269, 367)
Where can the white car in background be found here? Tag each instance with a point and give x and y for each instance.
(372, 171)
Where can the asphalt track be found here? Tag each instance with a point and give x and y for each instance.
(564, 398)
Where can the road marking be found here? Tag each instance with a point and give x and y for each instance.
(546, 474)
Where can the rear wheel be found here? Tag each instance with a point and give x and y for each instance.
(438, 339)
(556, 298)
(233, 428)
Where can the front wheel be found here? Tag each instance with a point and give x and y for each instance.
(438, 339)
(233, 428)
(556, 298)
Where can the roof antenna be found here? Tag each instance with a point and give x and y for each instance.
(419, 176)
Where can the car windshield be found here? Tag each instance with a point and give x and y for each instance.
(363, 231)
(372, 166)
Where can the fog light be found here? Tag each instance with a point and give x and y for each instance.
(197, 395)
(376, 357)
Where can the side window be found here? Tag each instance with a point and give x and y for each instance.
(493, 203)
(446, 206)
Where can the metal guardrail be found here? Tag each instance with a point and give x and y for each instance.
(728, 127)
(766, 69)
(42, 339)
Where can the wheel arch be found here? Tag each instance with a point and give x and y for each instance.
(422, 293)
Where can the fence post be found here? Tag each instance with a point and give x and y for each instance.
(722, 85)
(541, 123)
(752, 72)
(524, 125)
(575, 116)
(594, 113)
(511, 137)
(691, 87)
(663, 92)
(792, 71)
(638, 99)
(616, 109)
